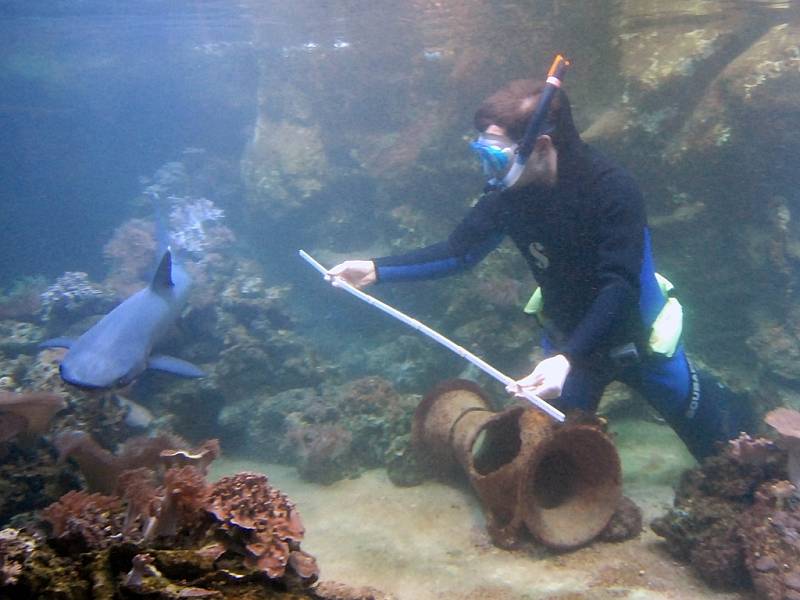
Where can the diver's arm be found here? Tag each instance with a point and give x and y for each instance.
(475, 237)
(620, 228)
(438, 260)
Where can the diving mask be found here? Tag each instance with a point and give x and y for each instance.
(496, 153)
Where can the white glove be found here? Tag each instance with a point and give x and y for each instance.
(546, 381)
(358, 273)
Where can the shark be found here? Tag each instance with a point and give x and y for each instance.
(119, 347)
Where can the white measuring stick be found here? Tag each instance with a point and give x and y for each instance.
(434, 335)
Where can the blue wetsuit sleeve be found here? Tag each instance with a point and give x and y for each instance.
(475, 237)
(621, 236)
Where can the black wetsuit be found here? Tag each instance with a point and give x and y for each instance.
(584, 244)
(587, 245)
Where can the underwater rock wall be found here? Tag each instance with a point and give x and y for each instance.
(707, 117)
(699, 98)
(377, 163)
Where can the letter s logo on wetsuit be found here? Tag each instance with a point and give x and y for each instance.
(537, 251)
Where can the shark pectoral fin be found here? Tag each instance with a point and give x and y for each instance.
(61, 342)
(173, 365)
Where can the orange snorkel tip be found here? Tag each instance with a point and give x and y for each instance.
(558, 66)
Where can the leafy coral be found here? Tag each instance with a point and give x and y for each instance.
(166, 532)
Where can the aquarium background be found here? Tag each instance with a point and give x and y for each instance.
(342, 128)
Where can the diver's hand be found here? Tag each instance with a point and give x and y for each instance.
(358, 273)
(546, 381)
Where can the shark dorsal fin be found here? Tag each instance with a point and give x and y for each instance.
(163, 277)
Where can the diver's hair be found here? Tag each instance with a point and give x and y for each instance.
(511, 108)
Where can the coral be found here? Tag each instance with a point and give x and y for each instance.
(183, 503)
(130, 254)
(266, 521)
(11, 426)
(72, 297)
(778, 347)
(101, 468)
(108, 417)
(141, 568)
(82, 522)
(786, 422)
(200, 458)
(142, 450)
(140, 494)
(408, 361)
(405, 466)
(23, 300)
(170, 534)
(318, 448)
(158, 504)
(13, 552)
(31, 569)
(30, 478)
(194, 225)
(747, 450)
(735, 516)
(285, 166)
(18, 336)
(770, 535)
(195, 230)
(168, 177)
(501, 291)
(35, 408)
(329, 434)
(626, 523)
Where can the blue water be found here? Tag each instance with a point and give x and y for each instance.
(92, 98)
(342, 127)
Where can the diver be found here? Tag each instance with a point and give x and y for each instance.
(579, 221)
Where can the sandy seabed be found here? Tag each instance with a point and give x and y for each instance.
(429, 542)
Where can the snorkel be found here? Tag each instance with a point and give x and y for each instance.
(537, 122)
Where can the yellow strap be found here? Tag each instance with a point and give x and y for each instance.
(535, 303)
(665, 333)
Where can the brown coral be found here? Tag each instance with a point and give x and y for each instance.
(83, 521)
(737, 520)
(102, 469)
(11, 426)
(184, 500)
(241, 517)
(141, 496)
(769, 534)
(252, 510)
(130, 253)
(786, 422)
(200, 458)
(36, 408)
(747, 450)
(98, 465)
